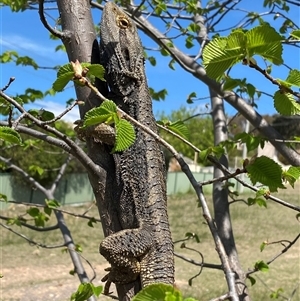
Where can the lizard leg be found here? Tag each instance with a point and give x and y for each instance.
(124, 250)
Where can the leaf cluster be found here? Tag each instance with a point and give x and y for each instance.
(107, 113)
(240, 46)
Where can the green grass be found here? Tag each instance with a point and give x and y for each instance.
(252, 225)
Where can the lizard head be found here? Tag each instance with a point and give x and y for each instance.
(121, 50)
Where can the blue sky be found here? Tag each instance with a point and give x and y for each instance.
(24, 33)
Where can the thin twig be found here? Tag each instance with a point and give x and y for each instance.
(75, 149)
(52, 30)
(32, 242)
(197, 263)
(67, 110)
(8, 84)
(283, 89)
(55, 209)
(279, 254)
(222, 298)
(31, 227)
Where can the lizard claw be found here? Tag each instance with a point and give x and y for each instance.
(108, 282)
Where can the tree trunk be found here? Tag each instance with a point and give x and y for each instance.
(81, 44)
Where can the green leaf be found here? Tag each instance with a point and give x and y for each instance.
(261, 202)
(164, 52)
(276, 294)
(60, 48)
(8, 56)
(231, 83)
(85, 291)
(291, 175)
(190, 97)
(72, 272)
(42, 114)
(14, 221)
(31, 95)
(62, 80)
(91, 222)
(125, 135)
(263, 245)
(252, 280)
(9, 135)
(39, 217)
(16, 6)
(26, 61)
(48, 210)
(179, 128)
(261, 266)
(107, 112)
(160, 7)
(189, 42)
(33, 211)
(251, 141)
(285, 104)
(204, 154)
(96, 70)
(171, 64)
(295, 34)
(267, 172)
(52, 204)
(158, 292)
(265, 41)
(223, 52)
(193, 27)
(152, 60)
(191, 235)
(3, 198)
(218, 151)
(258, 201)
(46, 115)
(251, 90)
(217, 58)
(78, 248)
(36, 169)
(293, 78)
(159, 95)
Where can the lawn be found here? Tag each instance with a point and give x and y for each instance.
(38, 274)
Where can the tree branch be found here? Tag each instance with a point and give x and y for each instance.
(57, 209)
(32, 242)
(55, 32)
(232, 98)
(74, 148)
(279, 254)
(202, 264)
(31, 227)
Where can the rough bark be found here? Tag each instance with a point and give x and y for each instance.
(81, 43)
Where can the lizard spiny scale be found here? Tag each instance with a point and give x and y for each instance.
(144, 247)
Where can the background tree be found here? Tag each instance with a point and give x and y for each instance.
(193, 121)
(189, 23)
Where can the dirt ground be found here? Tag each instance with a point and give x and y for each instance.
(53, 283)
(37, 274)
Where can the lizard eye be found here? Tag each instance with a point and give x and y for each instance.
(123, 23)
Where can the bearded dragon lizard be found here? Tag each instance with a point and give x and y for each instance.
(143, 249)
